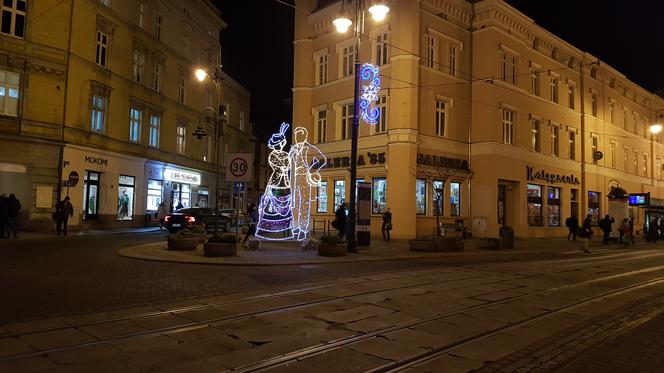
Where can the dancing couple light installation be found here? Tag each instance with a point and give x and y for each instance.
(284, 209)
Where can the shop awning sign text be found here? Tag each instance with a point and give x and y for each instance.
(182, 176)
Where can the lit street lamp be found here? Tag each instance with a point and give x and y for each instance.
(378, 11)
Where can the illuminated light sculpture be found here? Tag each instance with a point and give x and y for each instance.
(369, 95)
(306, 162)
(275, 215)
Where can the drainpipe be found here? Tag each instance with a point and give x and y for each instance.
(470, 119)
(64, 107)
(584, 193)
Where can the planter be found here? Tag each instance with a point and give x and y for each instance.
(448, 244)
(219, 249)
(182, 243)
(422, 245)
(489, 243)
(202, 237)
(326, 249)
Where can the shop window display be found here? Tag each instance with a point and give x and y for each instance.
(455, 199)
(125, 197)
(420, 196)
(379, 196)
(181, 195)
(534, 193)
(155, 191)
(203, 197)
(553, 207)
(322, 197)
(438, 197)
(339, 193)
(593, 206)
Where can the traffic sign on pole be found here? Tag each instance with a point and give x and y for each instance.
(239, 166)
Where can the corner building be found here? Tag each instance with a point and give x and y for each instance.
(516, 126)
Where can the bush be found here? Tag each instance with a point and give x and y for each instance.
(226, 238)
(195, 228)
(332, 240)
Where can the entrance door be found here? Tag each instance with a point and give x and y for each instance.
(91, 195)
(502, 199)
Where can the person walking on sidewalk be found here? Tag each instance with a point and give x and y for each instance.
(63, 211)
(653, 235)
(622, 229)
(4, 215)
(630, 222)
(587, 233)
(387, 225)
(572, 223)
(605, 226)
(253, 220)
(340, 220)
(13, 208)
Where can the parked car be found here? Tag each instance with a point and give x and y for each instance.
(179, 219)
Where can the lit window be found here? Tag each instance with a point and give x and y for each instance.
(155, 124)
(455, 199)
(534, 194)
(98, 113)
(438, 197)
(441, 117)
(593, 206)
(613, 154)
(645, 165)
(135, 125)
(593, 104)
(242, 121)
(339, 193)
(554, 89)
(508, 126)
(535, 133)
(139, 63)
(420, 196)
(636, 163)
(322, 197)
(180, 138)
(101, 55)
(594, 148)
(141, 9)
(13, 18)
(9, 93)
(571, 96)
(379, 195)
(553, 207)
(321, 126)
(155, 189)
(381, 104)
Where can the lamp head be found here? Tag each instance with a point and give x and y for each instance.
(655, 129)
(379, 11)
(199, 133)
(201, 74)
(342, 24)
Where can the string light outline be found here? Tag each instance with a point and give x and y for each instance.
(370, 73)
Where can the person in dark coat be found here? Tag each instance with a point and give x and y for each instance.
(13, 208)
(387, 225)
(572, 223)
(586, 232)
(631, 229)
(253, 220)
(605, 226)
(63, 211)
(340, 220)
(653, 235)
(4, 215)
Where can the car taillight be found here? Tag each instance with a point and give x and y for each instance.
(167, 218)
(191, 219)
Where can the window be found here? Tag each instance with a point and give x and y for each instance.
(612, 109)
(593, 104)
(571, 96)
(139, 64)
(381, 105)
(156, 76)
(155, 188)
(98, 113)
(91, 194)
(125, 197)
(321, 198)
(242, 121)
(155, 123)
(158, 23)
(552, 207)
(535, 135)
(625, 160)
(141, 10)
(594, 147)
(180, 138)
(636, 163)
(612, 150)
(102, 49)
(455, 199)
(321, 126)
(347, 112)
(135, 125)
(571, 143)
(441, 120)
(534, 81)
(438, 197)
(645, 165)
(659, 168)
(574, 202)
(106, 2)
(420, 196)
(508, 126)
(13, 18)
(452, 61)
(381, 49)
(9, 93)
(534, 193)
(321, 67)
(508, 67)
(555, 140)
(432, 51)
(593, 206)
(625, 119)
(339, 193)
(181, 89)
(635, 123)
(379, 195)
(593, 73)
(348, 61)
(554, 89)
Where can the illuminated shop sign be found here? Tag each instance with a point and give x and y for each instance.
(372, 159)
(440, 161)
(639, 199)
(532, 174)
(182, 176)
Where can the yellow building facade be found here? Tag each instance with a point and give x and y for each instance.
(513, 125)
(105, 103)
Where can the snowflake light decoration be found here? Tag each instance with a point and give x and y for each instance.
(369, 73)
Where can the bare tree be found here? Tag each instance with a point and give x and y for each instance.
(434, 174)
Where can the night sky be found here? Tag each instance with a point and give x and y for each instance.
(257, 45)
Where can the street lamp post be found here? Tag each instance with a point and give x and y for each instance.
(655, 128)
(342, 24)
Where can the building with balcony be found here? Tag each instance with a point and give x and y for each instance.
(513, 125)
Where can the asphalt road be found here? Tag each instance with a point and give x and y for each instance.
(67, 275)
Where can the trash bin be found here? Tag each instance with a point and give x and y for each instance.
(506, 238)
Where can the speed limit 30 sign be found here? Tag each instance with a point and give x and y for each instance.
(239, 166)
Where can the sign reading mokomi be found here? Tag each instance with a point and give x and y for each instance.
(532, 174)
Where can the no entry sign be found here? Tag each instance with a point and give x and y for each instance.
(239, 166)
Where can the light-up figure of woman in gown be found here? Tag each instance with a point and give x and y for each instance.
(275, 217)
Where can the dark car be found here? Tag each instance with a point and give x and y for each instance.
(179, 219)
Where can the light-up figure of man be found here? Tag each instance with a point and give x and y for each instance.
(274, 211)
(306, 161)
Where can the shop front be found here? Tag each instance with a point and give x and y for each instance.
(176, 186)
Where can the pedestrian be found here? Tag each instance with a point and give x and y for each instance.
(661, 228)
(653, 235)
(253, 220)
(622, 229)
(572, 223)
(180, 205)
(605, 226)
(631, 229)
(387, 225)
(162, 211)
(63, 211)
(13, 208)
(586, 232)
(4, 215)
(339, 222)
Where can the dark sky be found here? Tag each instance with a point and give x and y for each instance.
(257, 45)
